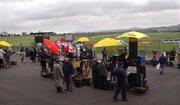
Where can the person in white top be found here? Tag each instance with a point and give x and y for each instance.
(1, 57)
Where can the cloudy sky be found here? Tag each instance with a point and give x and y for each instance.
(85, 15)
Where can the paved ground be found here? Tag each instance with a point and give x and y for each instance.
(23, 85)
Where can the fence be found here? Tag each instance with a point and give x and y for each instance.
(17, 48)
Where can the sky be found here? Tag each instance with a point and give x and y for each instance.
(85, 15)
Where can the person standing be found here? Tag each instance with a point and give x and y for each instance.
(1, 57)
(33, 56)
(121, 76)
(162, 62)
(8, 56)
(52, 59)
(81, 52)
(27, 50)
(68, 72)
(95, 74)
(22, 54)
(103, 75)
(109, 52)
(43, 56)
(104, 53)
(90, 54)
(22, 49)
(110, 68)
(141, 68)
(77, 66)
(58, 75)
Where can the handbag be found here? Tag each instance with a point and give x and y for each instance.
(158, 66)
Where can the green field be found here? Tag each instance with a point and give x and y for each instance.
(28, 41)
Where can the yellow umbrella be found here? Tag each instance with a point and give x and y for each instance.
(83, 39)
(133, 34)
(5, 44)
(107, 42)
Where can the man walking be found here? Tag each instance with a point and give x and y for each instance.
(162, 62)
(121, 82)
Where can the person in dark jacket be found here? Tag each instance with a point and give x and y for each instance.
(22, 49)
(33, 56)
(43, 56)
(90, 53)
(122, 58)
(35, 50)
(104, 53)
(81, 52)
(68, 72)
(121, 75)
(103, 74)
(95, 74)
(27, 50)
(162, 62)
(52, 59)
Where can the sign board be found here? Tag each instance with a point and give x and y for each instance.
(39, 37)
(133, 48)
(70, 38)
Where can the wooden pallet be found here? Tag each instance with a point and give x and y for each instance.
(140, 89)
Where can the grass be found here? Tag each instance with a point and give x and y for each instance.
(28, 41)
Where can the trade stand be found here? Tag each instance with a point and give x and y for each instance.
(133, 49)
(178, 60)
(137, 82)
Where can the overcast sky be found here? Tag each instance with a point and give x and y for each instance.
(85, 15)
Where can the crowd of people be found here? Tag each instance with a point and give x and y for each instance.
(104, 75)
(66, 71)
(108, 74)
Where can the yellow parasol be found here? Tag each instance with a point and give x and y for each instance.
(83, 39)
(5, 44)
(107, 42)
(133, 34)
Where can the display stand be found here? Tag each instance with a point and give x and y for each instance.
(133, 49)
(178, 59)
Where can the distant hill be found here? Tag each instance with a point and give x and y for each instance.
(171, 28)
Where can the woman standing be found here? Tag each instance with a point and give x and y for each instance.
(103, 75)
(22, 54)
(58, 75)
